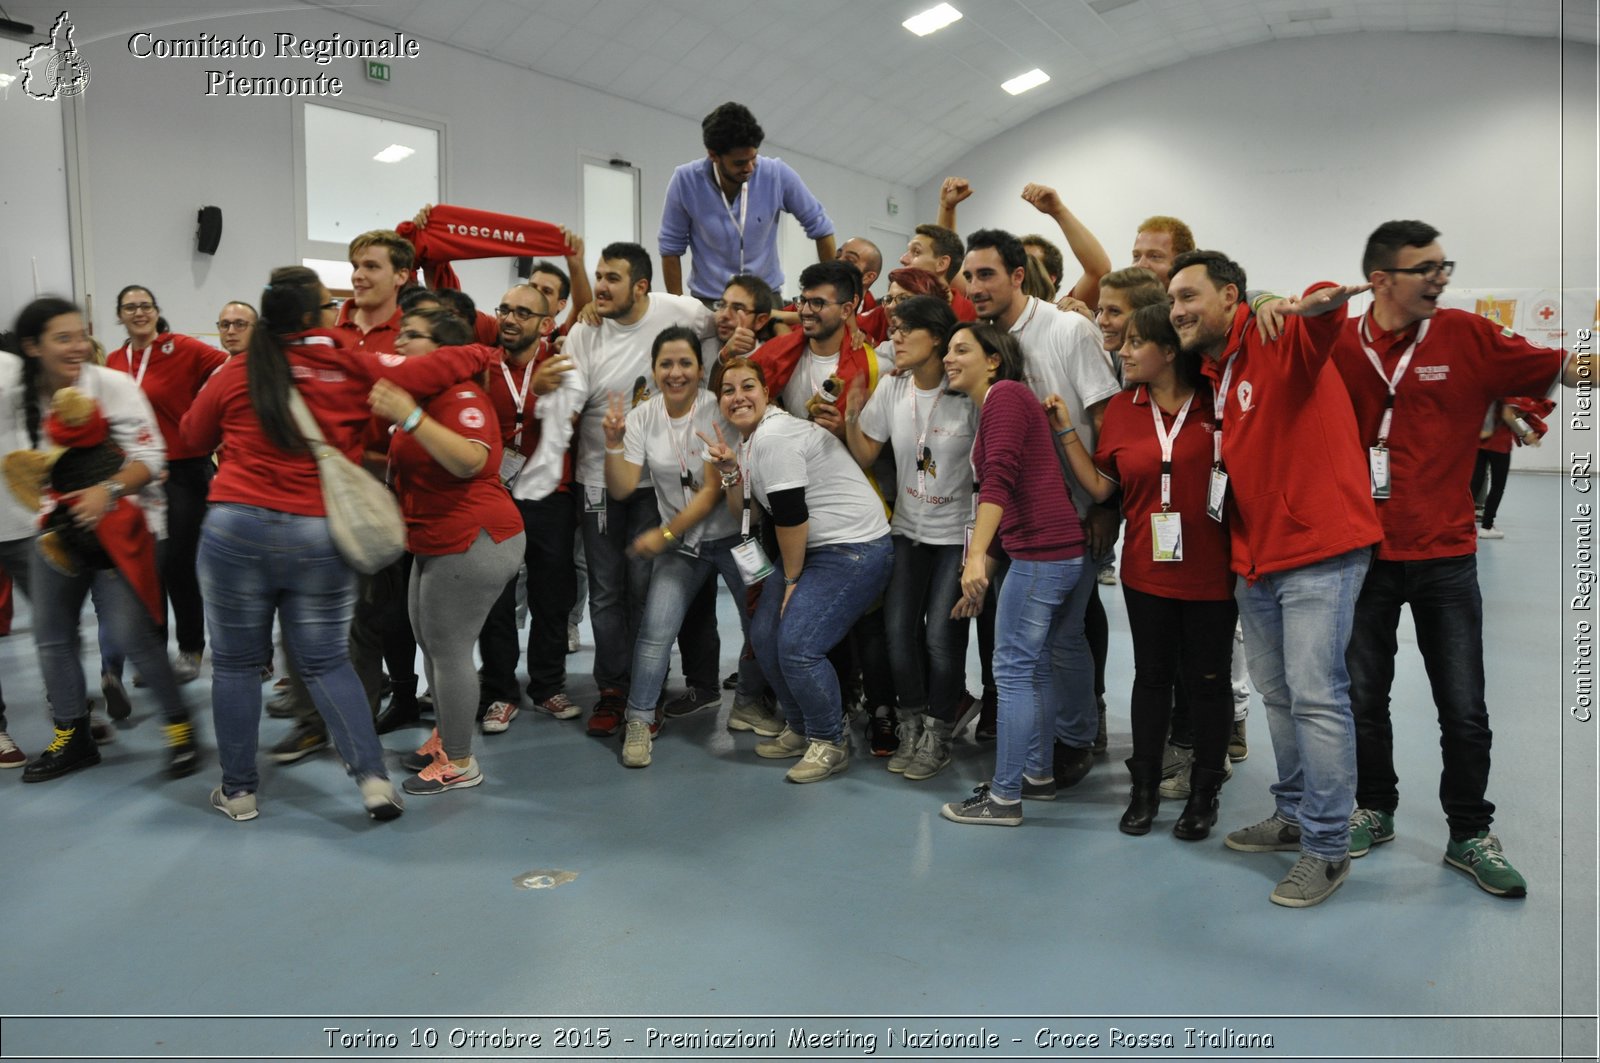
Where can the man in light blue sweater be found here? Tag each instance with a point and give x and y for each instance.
(724, 208)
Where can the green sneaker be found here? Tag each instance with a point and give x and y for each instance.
(1369, 827)
(1480, 857)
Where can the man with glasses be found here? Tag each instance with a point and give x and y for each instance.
(724, 209)
(1420, 378)
(743, 315)
(798, 365)
(535, 428)
(234, 322)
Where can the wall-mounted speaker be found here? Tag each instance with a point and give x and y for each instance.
(210, 230)
(524, 267)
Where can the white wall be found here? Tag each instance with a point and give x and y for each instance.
(1286, 155)
(159, 149)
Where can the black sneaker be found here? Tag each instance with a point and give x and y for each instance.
(881, 733)
(183, 756)
(691, 701)
(1070, 764)
(732, 682)
(303, 741)
(71, 750)
(988, 714)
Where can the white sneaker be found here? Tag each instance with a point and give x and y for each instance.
(636, 745)
(1491, 533)
(572, 638)
(498, 717)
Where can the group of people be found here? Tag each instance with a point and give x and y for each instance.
(866, 478)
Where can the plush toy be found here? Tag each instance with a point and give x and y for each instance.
(86, 457)
(827, 395)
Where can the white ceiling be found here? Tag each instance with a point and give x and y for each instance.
(842, 80)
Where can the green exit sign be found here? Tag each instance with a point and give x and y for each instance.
(377, 71)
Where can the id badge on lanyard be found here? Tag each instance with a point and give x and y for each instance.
(1378, 470)
(1166, 527)
(594, 501)
(1217, 489)
(511, 463)
(1378, 455)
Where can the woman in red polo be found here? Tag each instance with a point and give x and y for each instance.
(1159, 442)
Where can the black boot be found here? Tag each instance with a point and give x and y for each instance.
(402, 710)
(71, 750)
(1069, 764)
(1144, 798)
(1200, 814)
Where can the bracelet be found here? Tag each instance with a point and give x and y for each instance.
(413, 419)
(787, 582)
(1067, 430)
(616, 450)
(730, 478)
(115, 488)
(666, 533)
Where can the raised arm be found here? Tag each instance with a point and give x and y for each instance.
(1085, 248)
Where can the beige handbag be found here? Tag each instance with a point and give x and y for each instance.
(363, 517)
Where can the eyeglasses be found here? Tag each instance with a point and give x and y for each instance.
(413, 334)
(737, 308)
(230, 326)
(817, 303)
(1425, 269)
(331, 304)
(521, 313)
(898, 329)
(134, 308)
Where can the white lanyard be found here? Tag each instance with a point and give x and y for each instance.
(144, 363)
(744, 473)
(685, 448)
(518, 398)
(1219, 402)
(1166, 443)
(744, 206)
(1400, 371)
(924, 455)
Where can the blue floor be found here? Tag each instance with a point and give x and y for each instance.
(707, 888)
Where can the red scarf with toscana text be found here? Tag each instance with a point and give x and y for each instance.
(122, 531)
(778, 358)
(455, 233)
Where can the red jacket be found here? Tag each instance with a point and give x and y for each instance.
(335, 380)
(1298, 485)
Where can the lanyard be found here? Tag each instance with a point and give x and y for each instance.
(144, 363)
(519, 398)
(1400, 371)
(1219, 402)
(685, 448)
(1166, 443)
(924, 455)
(744, 473)
(744, 206)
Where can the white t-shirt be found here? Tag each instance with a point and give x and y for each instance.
(934, 504)
(616, 357)
(667, 449)
(132, 425)
(787, 452)
(809, 373)
(1063, 354)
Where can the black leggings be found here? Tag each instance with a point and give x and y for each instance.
(1495, 465)
(1173, 638)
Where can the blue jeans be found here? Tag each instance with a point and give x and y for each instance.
(1076, 709)
(927, 650)
(1296, 629)
(617, 583)
(838, 584)
(254, 561)
(1447, 610)
(675, 578)
(1040, 612)
(57, 601)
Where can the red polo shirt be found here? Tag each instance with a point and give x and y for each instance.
(444, 512)
(379, 339)
(1128, 452)
(1462, 365)
(170, 372)
(1297, 473)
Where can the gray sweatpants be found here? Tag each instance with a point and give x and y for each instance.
(449, 598)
